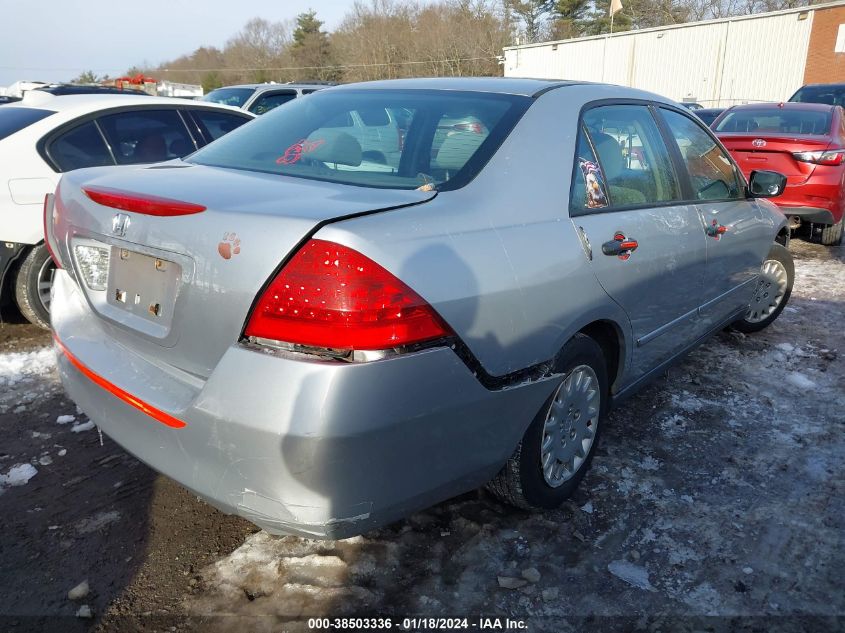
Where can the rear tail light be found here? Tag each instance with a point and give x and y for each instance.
(140, 202)
(52, 205)
(476, 127)
(331, 296)
(829, 157)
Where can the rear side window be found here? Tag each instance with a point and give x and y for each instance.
(15, 119)
(633, 158)
(215, 124)
(229, 96)
(267, 102)
(146, 136)
(774, 121)
(712, 174)
(82, 146)
(347, 136)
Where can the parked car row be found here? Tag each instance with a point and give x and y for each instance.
(385, 294)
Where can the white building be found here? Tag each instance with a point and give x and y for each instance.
(763, 57)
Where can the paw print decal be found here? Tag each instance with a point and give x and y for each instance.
(230, 245)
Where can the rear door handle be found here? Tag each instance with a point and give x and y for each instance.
(620, 246)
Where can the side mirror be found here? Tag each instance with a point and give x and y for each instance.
(766, 184)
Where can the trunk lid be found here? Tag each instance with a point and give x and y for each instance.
(179, 289)
(775, 153)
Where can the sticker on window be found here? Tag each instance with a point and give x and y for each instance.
(294, 152)
(594, 184)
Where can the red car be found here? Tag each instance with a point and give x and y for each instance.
(806, 143)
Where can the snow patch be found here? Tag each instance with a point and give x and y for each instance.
(18, 475)
(64, 419)
(797, 379)
(85, 426)
(634, 575)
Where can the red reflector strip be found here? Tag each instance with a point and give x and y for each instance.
(141, 203)
(156, 414)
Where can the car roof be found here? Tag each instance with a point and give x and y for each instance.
(73, 104)
(786, 105)
(273, 86)
(503, 85)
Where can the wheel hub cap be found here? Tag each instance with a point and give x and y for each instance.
(769, 293)
(45, 282)
(570, 426)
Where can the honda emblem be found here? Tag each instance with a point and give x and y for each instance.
(119, 224)
(758, 142)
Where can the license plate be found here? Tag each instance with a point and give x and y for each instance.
(143, 285)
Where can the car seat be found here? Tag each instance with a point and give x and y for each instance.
(624, 188)
(150, 149)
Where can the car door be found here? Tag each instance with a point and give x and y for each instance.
(647, 247)
(736, 229)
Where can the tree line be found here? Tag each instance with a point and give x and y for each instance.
(386, 39)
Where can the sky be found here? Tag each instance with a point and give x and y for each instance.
(55, 40)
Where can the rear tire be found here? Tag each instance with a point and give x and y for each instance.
(832, 234)
(777, 274)
(567, 426)
(33, 280)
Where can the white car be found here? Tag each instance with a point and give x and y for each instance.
(44, 136)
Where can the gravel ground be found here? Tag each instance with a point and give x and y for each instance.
(716, 502)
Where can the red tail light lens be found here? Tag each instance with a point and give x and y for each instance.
(830, 157)
(52, 206)
(141, 203)
(331, 296)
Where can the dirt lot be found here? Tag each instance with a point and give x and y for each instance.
(716, 502)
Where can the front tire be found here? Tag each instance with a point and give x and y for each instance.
(557, 449)
(774, 286)
(33, 281)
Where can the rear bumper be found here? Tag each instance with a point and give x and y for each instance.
(810, 214)
(320, 449)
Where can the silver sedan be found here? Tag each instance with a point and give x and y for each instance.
(323, 337)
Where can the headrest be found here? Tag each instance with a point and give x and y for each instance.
(334, 146)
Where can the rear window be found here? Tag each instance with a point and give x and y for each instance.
(229, 96)
(14, 119)
(831, 95)
(352, 137)
(772, 120)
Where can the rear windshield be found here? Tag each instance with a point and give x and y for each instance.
(14, 119)
(394, 139)
(770, 120)
(831, 95)
(229, 96)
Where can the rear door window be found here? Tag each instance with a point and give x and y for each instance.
(214, 124)
(632, 158)
(146, 136)
(270, 100)
(712, 174)
(81, 146)
(15, 119)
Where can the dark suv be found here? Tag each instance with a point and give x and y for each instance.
(831, 94)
